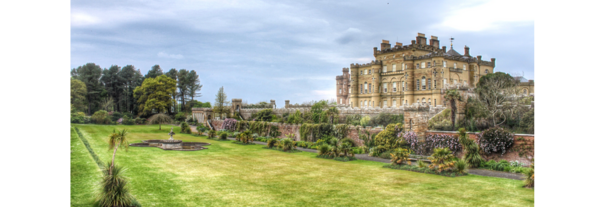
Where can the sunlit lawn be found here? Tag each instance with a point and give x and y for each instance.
(228, 174)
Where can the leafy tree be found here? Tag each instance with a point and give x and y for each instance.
(89, 74)
(317, 109)
(78, 94)
(101, 117)
(527, 122)
(155, 94)
(264, 115)
(452, 96)
(499, 96)
(331, 112)
(160, 119)
(221, 103)
(154, 72)
(131, 78)
(295, 118)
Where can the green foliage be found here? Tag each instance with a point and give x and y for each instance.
(387, 138)
(114, 189)
(323, 149)
(527, 122)
(159, 119)
(365, 121)
(421, 164)
(287, 145)
(348, 141)
(471, 149)
(185, 128)
(441, 121)
(212, 133)
(221, 103)
(295, 118)
(180, 117)
(263, 115)
(201, 129)
(101, 117)
(452, 96)
(529, 177)
(384, 119)
(78, 118)
(312, 132)
(155, 95)
(341, 131)
(272, 142)
(461, 166)
(442, 159)
(78, 94)
(126, 120)
(223, 136)
(353, 119)
(400, 157)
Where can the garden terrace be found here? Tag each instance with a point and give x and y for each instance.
(235, 175)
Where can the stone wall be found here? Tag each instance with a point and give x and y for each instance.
(510, 155)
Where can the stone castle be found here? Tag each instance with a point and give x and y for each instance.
(416, 73)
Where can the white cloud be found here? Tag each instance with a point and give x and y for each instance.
(173, 56)
(323, 94)
(81, 19)
(488, 16)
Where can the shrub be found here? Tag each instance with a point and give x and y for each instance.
(400, 157)
(471, 149)
(442, 159)
(287, 144)
(527, 122)
(495, 140)
(211, 133)
(461, 166)
(529, 177)
(180, 116)
(246, 137)
(388, 137)
(201, 129)
(126, 120)
(78, 118)
(114, 188)
(229, 124)
(348, 140)
(500, 166)
(116, 115)
(271, 142)
(323, 149)
(421, 164)
(184, 127)
(223, 136)
(101, 117)
(376, 151)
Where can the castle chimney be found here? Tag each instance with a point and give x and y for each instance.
(287, 104)
(479, 58)
(434, 42)
(444, 48)
(385, 45)
(420, 39)
(398, 44)
(413, 42)
(466, 51)
(494, 62)
(375, 50)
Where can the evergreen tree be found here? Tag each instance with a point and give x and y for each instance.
(154, 72)
(221, 102)
(90, 74)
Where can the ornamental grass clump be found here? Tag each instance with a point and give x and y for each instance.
(271, 142)
(323, 149)
(114, 190)
(287, 145)
(442, 159)
(529, 176)
(400, 157)
(211, 133)
(495, 140)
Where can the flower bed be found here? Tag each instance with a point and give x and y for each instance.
(342, 159)
(424, 170)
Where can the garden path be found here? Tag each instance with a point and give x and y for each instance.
(474, 171)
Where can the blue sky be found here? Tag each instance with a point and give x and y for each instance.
(288, 50)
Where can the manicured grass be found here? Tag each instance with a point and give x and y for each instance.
(85, 174)
(228, 174)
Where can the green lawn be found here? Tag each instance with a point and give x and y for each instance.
(229, 174)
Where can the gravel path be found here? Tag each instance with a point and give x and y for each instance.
(474, 171)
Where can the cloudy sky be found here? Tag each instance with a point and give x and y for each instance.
(288, 50)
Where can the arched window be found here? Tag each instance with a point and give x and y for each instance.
(417, 84)
(423, 83)
(429, 83)
(340, 91)
(394, 67)
(402, 85)
(524, 91)
(361, 72)
(486, 71)
(423, 101)
(365, 86)
(394, 87)
(384, 69)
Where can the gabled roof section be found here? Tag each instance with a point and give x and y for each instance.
(452, 52)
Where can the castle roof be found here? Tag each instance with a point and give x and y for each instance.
(452, 52)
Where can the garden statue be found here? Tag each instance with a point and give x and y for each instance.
(171, 133)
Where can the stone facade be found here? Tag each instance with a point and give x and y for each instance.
(406, 74)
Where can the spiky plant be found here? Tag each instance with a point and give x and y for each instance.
(452, 96)
(271, 142)
(114, 190)
(529, 179)
(323, 149)
(400, 157)
(347, 149)
(160, 119)
(117, 140)
(334, 151)
(246, 136)
(461, 166)
(287, 144)
(442, 159)
(471, 149)
(211, 133)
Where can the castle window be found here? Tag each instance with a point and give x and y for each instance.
(405, 66)
(434, 63)
(429, 83)
(360, 88)
(428, 64)
(365, 86)
(417, 66)
(394, 87)
(486, 71)
(394, 67)
(524, 91)
(417, 84)
(444, 64)
(422, 65)
(423, 83)
(341, 101)
(340, 91)
(384, 69)
(444, 82)
(385, 87)
(455, 65)
(361, 72)
(349, 90)
(370, 85)
(365, 71)
(403, 86)
(423, 101)
(384, 104)
(463, 67)
(394, 103)
(435, 84)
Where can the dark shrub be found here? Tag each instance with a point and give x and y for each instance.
(495, 140)
(180, 117)
(184, 127)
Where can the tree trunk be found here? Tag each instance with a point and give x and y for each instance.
(160, 126)
(113, 158)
